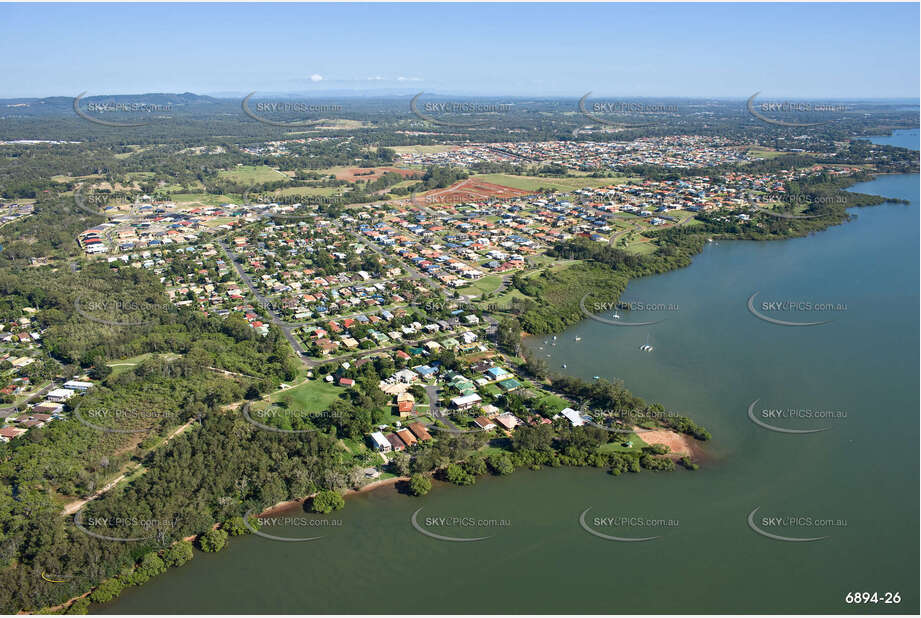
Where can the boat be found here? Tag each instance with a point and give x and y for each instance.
(554, 337)
(564, 365)
(578, 338)
(616, 316)
(596, 378)
(646, 347)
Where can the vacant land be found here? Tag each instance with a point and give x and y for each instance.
(534, 183)
(311, 396)
(470, 190)
(482, 286)
(254, 174)
(352, 174)
(426, 149)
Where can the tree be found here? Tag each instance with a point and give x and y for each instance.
(328, 501)
(419, 484)
(213, 541)
(476, 465)
(539, 438)
(501, 464)
(151, 565)
(178, 554)
(400, 463)
(235, 526)
(457, 475)
(106, 591)
(80, 606)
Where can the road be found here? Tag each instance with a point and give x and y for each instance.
(286, 329)
(431, 391)
(72, 507)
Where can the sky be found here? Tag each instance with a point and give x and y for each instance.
(656, 50)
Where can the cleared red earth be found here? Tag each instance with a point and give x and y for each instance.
(470, 190)
(373, 173)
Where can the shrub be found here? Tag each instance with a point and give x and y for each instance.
(212, 541)
(178, 554)
(328, 501)
(106, 591)
(235, 526)
(457, 475)
(419, 485)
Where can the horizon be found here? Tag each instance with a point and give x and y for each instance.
(236, 97)
(809, 51)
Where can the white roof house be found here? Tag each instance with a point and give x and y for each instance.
(380, 442)
(573, 416)
(466, 401)
(77, 385)
(60, 394)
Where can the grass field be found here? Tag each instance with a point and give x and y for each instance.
(504, 301)
(533, 183)
(324, 191)
(636, 446)
(482, 286)
(254, 174)
(128, 364)
(427, 149)
(206, 199)
(312, 396)
(763, 153)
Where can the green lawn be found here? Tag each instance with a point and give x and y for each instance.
(128, 364)
(533, 183)
(205, 199)
(427, 149)
(312, 396)
(324, 191)
(763, 153)
(616, 447)
(254, 174)
(482, 286)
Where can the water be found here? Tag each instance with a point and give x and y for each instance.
(904, 138)
(712, 358)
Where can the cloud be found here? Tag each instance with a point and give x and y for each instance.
(316, 78)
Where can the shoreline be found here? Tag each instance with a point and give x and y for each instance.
(287, 505)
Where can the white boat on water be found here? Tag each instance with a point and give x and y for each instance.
(616, 316)
(646, 347)
(578, 338)
(596, 378)
(564, 365)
